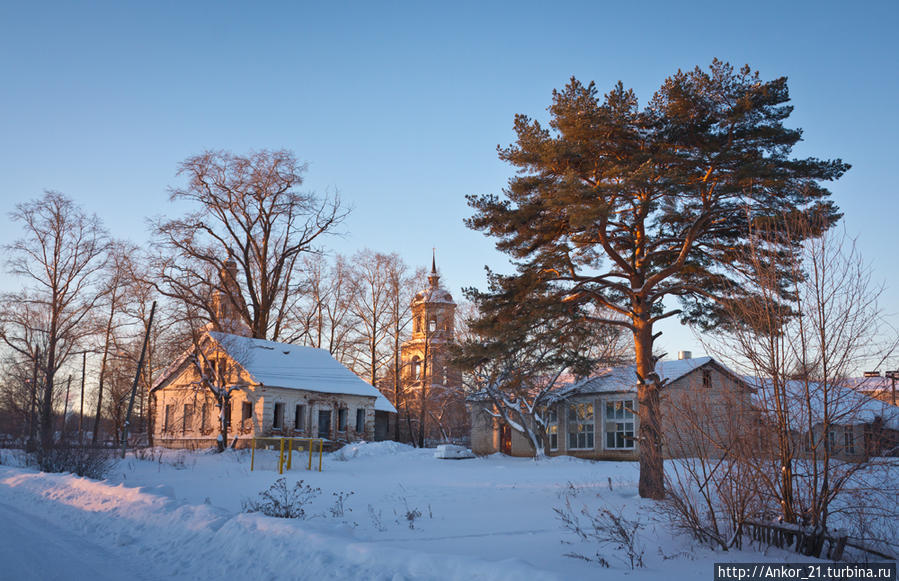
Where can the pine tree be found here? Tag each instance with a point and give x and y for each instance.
(626, 206)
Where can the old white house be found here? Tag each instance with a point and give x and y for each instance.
(276, 389)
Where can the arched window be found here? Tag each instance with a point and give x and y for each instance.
(416, 368)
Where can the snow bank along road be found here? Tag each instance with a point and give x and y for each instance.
(64, 527)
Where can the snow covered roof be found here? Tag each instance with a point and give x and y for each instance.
(433, 295)
(296, 367)
(845, 406)
(624, 378)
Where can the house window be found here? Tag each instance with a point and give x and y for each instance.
(432, 325)
(204, 417)
(167, 420)
(360, 420)
(706, 378)
(246, 412)
(187, 418)
(416, 368)
(278, 420)
(552, 428)
(848, 440)
(341, 420)
(299, 418)
(324, 423)
(580, 426)
(619, 424)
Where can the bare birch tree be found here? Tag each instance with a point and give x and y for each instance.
(59, 257)
(323, 317)
(370, 304)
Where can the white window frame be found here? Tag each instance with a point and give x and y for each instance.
(622, 413)
(588, 434)
(552, 428)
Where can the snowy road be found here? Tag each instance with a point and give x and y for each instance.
(34, 549)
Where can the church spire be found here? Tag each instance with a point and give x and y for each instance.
(433, 277)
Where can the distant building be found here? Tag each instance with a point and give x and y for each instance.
(882, 388)
(431, 386)
(842, 422)
(598, 417)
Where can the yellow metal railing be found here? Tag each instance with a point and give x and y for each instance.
(292, 444)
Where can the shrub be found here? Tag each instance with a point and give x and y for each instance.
(84, 461)
(283, 502)
(338, 509)
(605, 528)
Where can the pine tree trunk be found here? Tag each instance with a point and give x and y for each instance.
(652, 481)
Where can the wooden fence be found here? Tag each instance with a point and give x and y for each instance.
(807, 541)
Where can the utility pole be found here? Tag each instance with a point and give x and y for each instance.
(81, 411)
(893, 375)
(140, 364)
(65, 409)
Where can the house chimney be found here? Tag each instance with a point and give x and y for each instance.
(684, 354)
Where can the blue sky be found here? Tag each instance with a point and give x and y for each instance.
(399, 107)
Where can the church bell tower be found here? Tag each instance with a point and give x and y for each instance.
(426, 355)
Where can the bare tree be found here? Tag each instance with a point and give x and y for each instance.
(59, 257)
(17, 393)
(370, 303)
(401, 289)
(247, 209)
(323, 317)
(808, 457)
(116, 294)
(524, 345)
(169, 336)
(120, 374)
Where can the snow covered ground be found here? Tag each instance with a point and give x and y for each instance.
(176, 514)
